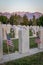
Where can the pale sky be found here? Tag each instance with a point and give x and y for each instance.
(21, 5)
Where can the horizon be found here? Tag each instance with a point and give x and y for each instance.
(20, 12)
(21, 6)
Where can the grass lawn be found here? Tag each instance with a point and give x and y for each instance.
(32, 43)
(36, 59)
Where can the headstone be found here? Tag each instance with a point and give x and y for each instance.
(41, 37)
(4, 31)
(8, 27)
(24, 39)
(1, 41)
(34, 30)
(16, 32)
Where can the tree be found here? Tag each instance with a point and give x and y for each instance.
(34, 20)
(30, 22)
(25, 20)
(40, 21)
(19, 19)
(3, 19)
(14, 19)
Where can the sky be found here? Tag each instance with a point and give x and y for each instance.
(21, 5)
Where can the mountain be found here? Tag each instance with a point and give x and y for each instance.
(28, 14)
(6, 14)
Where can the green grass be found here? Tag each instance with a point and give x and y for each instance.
(30, 33)
(32, 43)
(36, 59)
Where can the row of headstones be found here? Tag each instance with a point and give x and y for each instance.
(6, 28)
(34, 29)
(23, 35)
(24, 39)
(16, 29)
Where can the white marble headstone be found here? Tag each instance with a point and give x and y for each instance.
(41, 37)
(4, 31)
(16, 32)
(24, 39)
(1, 43)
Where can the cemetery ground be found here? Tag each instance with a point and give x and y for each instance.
(16, 45)
(36, 59)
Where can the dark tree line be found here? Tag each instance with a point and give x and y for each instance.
(18, 20)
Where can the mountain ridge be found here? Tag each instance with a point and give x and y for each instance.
(28, 14)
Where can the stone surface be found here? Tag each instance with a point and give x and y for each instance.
(1, 41)
(41, 37)
(24, 39)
